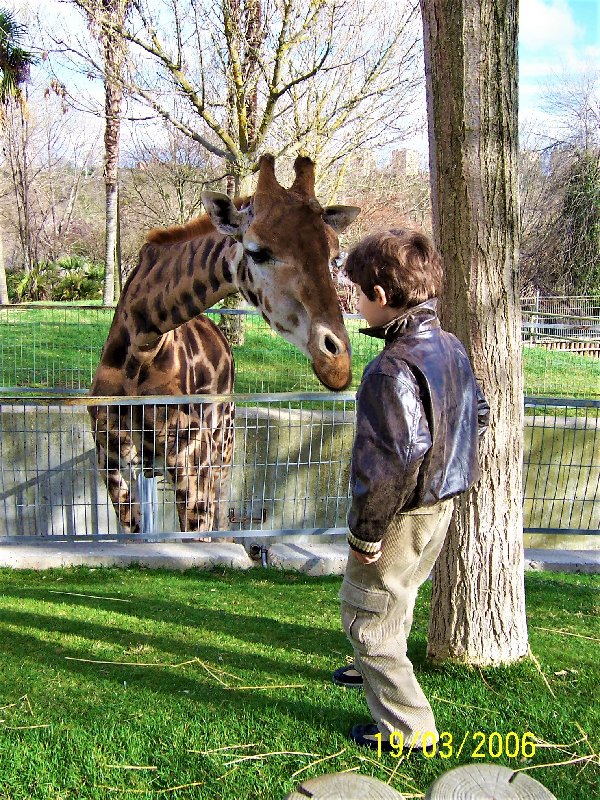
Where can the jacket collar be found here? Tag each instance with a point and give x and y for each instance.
(416, 320)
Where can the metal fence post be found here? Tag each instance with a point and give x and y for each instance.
(148, 493)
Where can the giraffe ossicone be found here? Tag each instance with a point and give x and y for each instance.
(275, 248)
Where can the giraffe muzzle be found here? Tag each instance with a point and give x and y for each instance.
(330, 354)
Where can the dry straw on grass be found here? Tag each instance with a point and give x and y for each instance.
(567, 633)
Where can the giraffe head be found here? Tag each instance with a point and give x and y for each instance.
(287, 241)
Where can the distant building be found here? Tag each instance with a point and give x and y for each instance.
(406, 162)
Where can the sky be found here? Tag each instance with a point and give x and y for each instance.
(556, 38)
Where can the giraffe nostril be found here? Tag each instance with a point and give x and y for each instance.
(331, 346)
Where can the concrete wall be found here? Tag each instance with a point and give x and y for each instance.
(290, 468)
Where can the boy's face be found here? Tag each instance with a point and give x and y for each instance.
(376, 312)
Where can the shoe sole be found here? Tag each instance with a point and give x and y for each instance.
(347, 685)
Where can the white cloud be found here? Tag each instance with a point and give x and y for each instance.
(546, 25)
(551, 49)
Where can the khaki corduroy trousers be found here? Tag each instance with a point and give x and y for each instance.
(377, 603)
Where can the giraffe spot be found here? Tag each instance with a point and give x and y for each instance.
(164, 358)
(253, 298)
(192, 262)
(227, 276)
(161, 311)
(176, 316)
(282, 329)
(224, 382)
(250, 276)
(190, 306)
(267, 304)
(141, 320)
(116, 348)
(143, 374)
(202, 378)
(293, 320)
(206, 250)
(200, 291)
(131, 367)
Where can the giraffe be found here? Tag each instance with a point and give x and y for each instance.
(273, 247)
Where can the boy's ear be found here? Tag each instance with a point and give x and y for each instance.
(380, 295)
(339, 217)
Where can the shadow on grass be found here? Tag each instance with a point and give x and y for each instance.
(223, 631)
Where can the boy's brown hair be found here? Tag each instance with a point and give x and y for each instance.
(404, 263)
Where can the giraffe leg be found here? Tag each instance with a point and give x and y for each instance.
(188, 458)
(222, 448)
(117, 458)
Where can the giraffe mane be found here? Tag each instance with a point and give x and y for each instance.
(199, 226)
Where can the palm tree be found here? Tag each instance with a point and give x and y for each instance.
(15, 63)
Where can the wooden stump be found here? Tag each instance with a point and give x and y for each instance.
(486, 782)
(344, 786)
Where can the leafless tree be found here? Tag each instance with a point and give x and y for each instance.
(243, 76)
(166, 175)
(46, 169)
(559, 186)
(105, 17)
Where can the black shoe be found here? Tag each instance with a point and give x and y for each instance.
(348, 676)
(366, 735)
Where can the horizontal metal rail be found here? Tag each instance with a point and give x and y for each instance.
(81, 399)
(290, 468)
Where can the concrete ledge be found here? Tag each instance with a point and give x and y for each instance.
(180, 555)
(312, 559)
(587, 561)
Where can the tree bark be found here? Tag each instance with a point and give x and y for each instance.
(113, 97)
(3, 288)
(478, 600)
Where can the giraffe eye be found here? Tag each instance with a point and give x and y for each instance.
(259, 256)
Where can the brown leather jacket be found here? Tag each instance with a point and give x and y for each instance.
(419, 415)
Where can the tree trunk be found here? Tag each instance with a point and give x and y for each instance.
(3, 288)
(112, 197)
(113, 96)
(478, 601)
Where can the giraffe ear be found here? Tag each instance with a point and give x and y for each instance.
(339, 217)
(224, 215)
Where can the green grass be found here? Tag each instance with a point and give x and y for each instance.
(74, 729)
(558, 374)
(60, 347)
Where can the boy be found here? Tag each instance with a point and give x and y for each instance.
(419, 415)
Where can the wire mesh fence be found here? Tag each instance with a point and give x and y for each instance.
(561, 482)
(291, 459)
(572, 305)
(59, 346)
(289, 473)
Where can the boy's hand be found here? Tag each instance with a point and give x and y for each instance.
(371, 558)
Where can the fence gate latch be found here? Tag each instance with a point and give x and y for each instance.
(247, 518)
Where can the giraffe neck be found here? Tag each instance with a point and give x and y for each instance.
(174, 283)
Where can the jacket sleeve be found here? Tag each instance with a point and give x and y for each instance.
(392, 438)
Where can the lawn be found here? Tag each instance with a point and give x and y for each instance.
(131, 683)
(59, 347)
